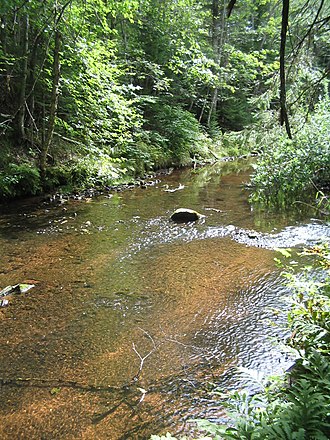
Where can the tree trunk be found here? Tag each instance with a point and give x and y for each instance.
(3, 43)
(32, 79)
(216, 25)
(204, 105)
(213, 106)
(284, 119)
(230, 7)
(53, 105)
(22, 96)
(218, 39)
(4, 66)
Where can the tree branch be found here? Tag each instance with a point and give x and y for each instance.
(230, 7)
(284, 28)
(143, 358)
(310, 27)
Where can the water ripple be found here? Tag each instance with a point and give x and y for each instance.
(160, 231)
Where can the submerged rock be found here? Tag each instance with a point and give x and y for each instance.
(183, 215)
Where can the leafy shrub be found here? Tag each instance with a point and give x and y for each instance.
(180, 132)
(98, 171)
(290, 167)
(147, 153)
(19, 180)
(86, 172)
(236, 144)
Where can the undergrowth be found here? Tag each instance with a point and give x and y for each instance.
(287, 169)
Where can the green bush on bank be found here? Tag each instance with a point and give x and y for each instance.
(287, 168)
(18, 180)
(180, 133)
(89, 171)
(169, 136)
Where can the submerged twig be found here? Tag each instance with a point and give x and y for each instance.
(143, 358)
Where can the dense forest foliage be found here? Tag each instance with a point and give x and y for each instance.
(93, 92)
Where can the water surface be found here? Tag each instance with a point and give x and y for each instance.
(133, 318)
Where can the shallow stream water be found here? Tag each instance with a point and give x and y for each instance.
(134, 319)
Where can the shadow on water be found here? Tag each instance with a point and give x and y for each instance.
(133, 318)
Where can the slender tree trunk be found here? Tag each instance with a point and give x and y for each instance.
(230, 7)
(22, 96)
(284, 119)
(32, 78)
(213, 106)
(3, 42)
(53, 105)
(218, 39)
(4, 66)
(204, 105)
(216, 25)
(48, 132)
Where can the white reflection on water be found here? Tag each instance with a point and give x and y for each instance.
(160, 231)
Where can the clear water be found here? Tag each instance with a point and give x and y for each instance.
(134, 319)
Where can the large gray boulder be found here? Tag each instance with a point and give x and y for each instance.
(183, 215)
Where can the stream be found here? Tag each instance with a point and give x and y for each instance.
(135, 319)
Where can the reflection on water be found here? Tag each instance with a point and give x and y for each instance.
(134, 318)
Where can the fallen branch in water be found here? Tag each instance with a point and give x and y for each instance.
(142, 359)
